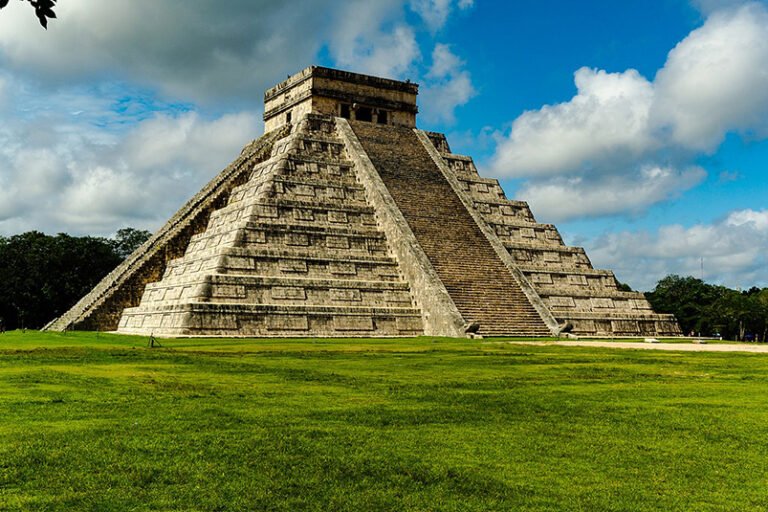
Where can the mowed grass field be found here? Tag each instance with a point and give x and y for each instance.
(100, 423)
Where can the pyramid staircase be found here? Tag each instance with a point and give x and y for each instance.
(345, 220)
(586, 300)
(482, 288)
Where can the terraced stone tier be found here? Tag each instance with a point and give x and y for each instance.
(215, 319)
(616, 323)
(295, 251)
(270, 262)
(480, 285)
(562, 276)
(102, 307)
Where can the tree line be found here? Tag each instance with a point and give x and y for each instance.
(712, 310)
(42, 276)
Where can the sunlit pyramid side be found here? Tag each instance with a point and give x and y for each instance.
(344, 219)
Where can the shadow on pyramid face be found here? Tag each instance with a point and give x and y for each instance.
(345, 220)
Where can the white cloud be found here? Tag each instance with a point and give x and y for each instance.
(607, 121)
(715, 81)
(99, 126)
(385, 44)
(69, 174)
(199, 50)
(565, 198)
(731, 248)
(389, 54)
(444, 62)
(435, 13)
(448, 85)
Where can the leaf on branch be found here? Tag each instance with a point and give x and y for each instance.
(43, 10)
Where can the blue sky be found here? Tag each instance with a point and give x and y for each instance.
(638, 127)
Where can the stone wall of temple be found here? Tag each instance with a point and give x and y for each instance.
(584, 298)
(345, 220)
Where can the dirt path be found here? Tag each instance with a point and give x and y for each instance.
(681, 347)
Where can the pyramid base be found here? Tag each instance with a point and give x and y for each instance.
(207, 319)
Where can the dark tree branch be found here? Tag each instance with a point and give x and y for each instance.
(43, 9)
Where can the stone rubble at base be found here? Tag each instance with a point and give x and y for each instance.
(345, 220)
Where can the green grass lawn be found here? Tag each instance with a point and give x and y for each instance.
(101, 422)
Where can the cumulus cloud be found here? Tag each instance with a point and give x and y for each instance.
(195, 49)
(606, 122)
(565, 198)
(436, 12)
(207, 51)
(619, 125)
(447, 86)
(71, 174)
(715, 81)
(710, 6)
(731, 249)
(388, 49)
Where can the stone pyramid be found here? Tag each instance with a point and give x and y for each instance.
(346, 220)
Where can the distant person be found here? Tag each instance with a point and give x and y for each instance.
(2, 326)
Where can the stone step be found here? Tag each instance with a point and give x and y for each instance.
(572, 282)
(329, 190)
(564, 270)
(322, 240)
(591, 324)
(562, 305)
(499, 210)
(306, 145)
(318, 212)
(585, 292)
(526, 232)
(271, 262)
(460, 254)
(535, 246)
(279, 290)
(308, 168)
(481, 189)
(614, 315)
(460, 165)
(571, 257)
(267, 232)
(268, 208)
(215, 319)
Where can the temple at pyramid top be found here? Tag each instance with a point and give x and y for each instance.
(327, 91)
(344, 219)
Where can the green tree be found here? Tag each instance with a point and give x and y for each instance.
(128, 240)
(709, 309)
(733, 313)
(762, 308)
(689, 299)
(42, 276)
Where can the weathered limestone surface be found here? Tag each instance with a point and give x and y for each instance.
(102, 307)
(481, 286)
(576, 294)
(440, 314)
(338, 93)
(296, 251)
(345, 220)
